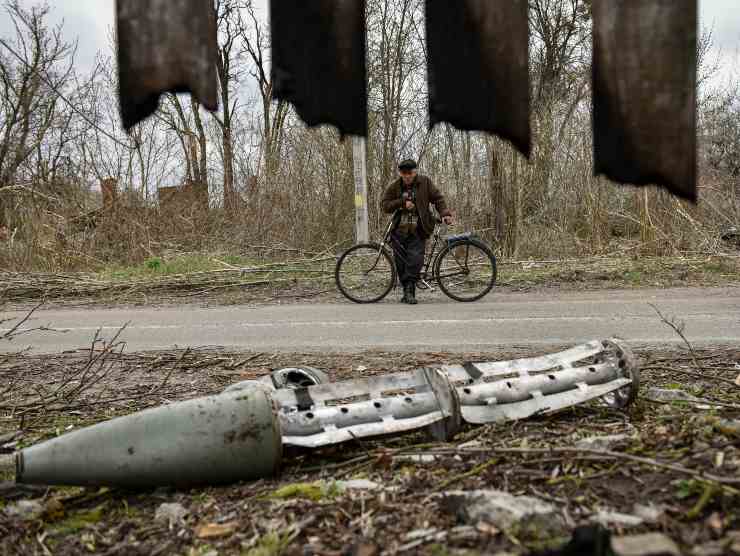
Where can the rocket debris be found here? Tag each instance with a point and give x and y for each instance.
(239, 433)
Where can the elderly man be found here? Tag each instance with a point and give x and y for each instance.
(408, 198)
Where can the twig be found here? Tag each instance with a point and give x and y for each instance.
(619, 455)
(475, 471)
(169, 373)
(12, 332)
(678, 328)
(702, 376)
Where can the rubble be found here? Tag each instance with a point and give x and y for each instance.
(648, 544)
(171, 514)
(601, 442)
(505, 511)
(648, 512)
(612, 518)
(25, 510)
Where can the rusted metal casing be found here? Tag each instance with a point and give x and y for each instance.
(165, 46)
(217, 439)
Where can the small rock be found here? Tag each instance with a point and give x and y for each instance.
(25, 510)
(462, 532)
(709, 549)
(471, 444)
(365, 548)
(504, 511)
(358, 484)
(648, 512)
(648, 544)
(734, 537)
(172, 514)
(420, 533)
(601, 442)
(669, 395)
(420, 458)
(615, 518)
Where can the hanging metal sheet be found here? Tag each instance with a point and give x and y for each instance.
(644, 92)
(318, 61)
(165, 46)
(478, 67)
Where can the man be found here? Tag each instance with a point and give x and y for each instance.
(408, 197)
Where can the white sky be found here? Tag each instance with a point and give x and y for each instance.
(91, 21)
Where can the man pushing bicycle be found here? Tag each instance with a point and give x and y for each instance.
(408, 197)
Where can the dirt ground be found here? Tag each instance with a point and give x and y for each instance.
(315, 282)
(690, 475)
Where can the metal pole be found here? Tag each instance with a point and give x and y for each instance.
(359, 158)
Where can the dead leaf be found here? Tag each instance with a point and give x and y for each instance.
(365, 548)
(487, 528)
(714, 522)
(214, 530)
(384, 459)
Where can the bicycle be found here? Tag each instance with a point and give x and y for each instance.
(464, 268)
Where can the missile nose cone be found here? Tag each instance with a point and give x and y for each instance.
(218, 439)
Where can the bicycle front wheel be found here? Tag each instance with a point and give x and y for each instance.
(466, 270)
(365, 273)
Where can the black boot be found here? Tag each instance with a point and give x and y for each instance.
(411, 295)
(405, 298)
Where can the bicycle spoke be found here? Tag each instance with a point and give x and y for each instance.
(365, 274)
(466, 272)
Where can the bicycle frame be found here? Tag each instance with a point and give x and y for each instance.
(429, 261)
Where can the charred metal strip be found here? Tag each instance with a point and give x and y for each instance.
(644, 92)
(318, 61)
(165, 46)
(303, 398)
(472, 370)
(478, 67)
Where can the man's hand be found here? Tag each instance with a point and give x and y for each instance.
(409, 205)
(447, 220)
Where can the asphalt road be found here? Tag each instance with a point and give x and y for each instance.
(711, 316)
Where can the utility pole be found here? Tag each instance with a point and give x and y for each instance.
(359, 159)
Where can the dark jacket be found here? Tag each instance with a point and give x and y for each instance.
(426, 193)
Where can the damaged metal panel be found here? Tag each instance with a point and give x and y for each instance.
(644, 92)
(318, 61)
(211, 440)
(478, 72)
(390, 404)
(508, 390)
(165, 46)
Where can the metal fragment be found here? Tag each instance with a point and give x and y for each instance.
(218, 439)
(478, 71)
(165, 46)
(318, 61)
(644, 92)
(509, 390)
(390, 404)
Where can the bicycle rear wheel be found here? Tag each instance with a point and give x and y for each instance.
(466, 270)
(365, 273)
